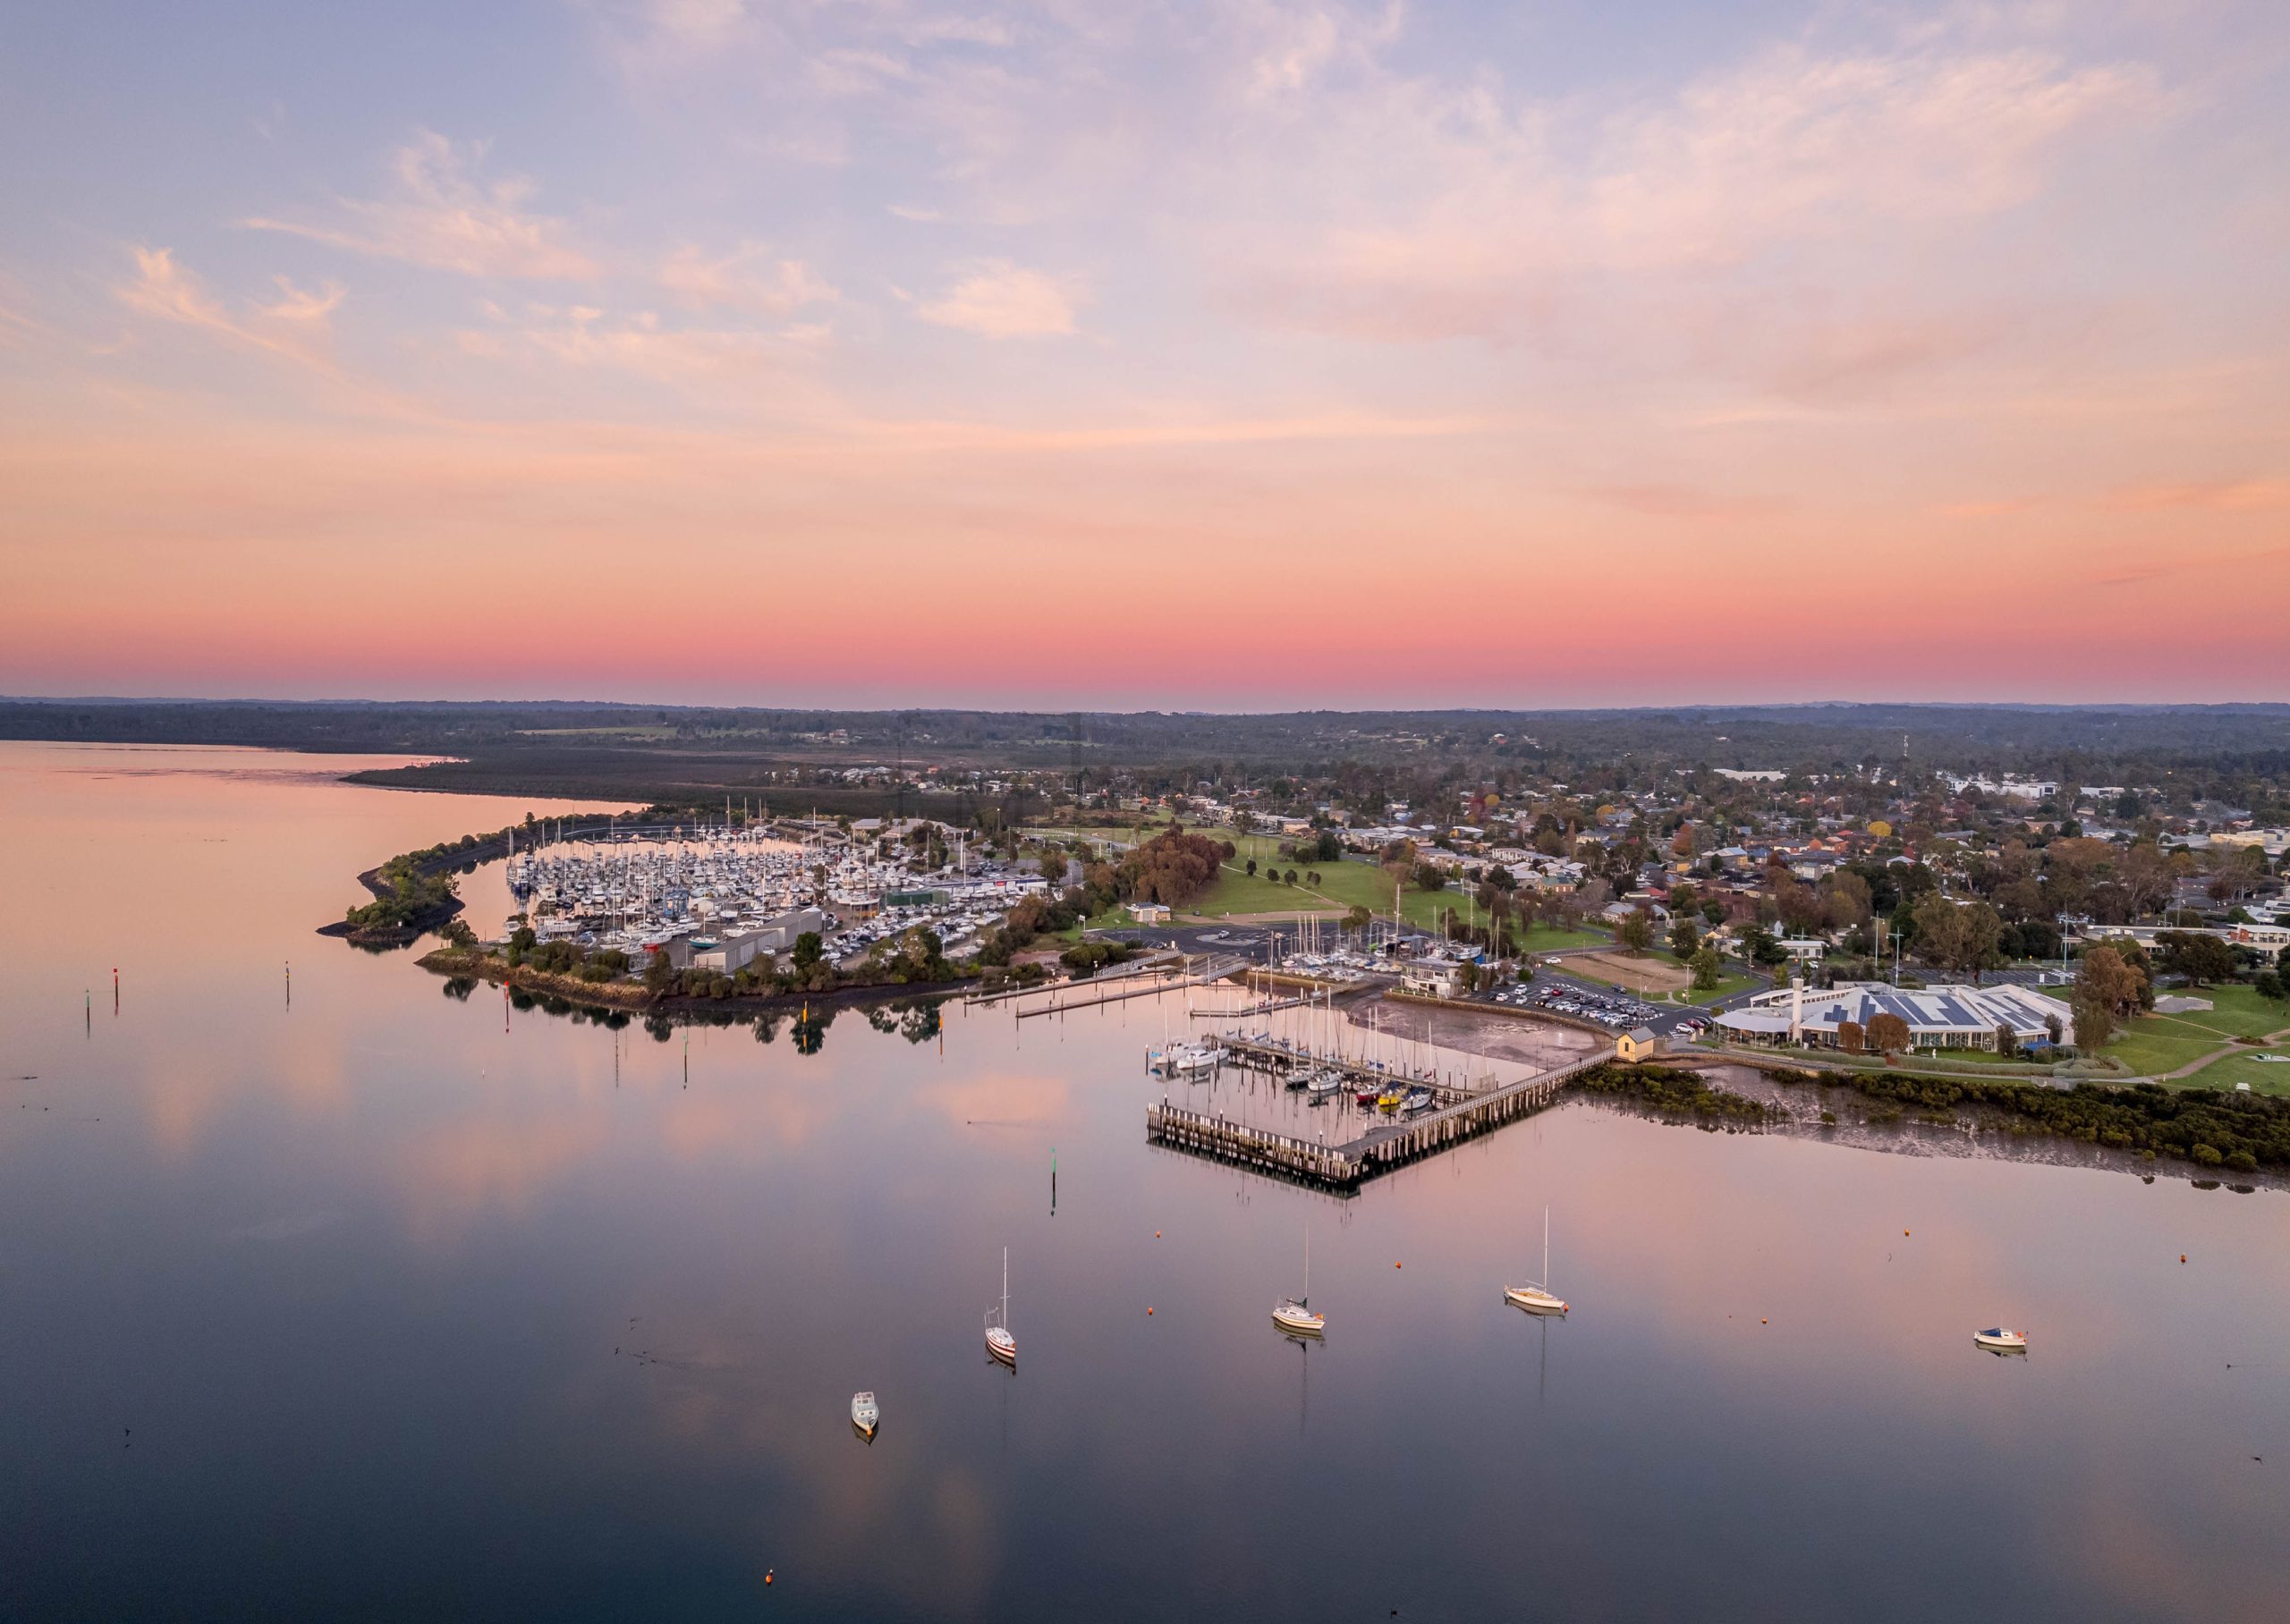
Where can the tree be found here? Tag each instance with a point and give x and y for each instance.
(1684, 937)
(1172, 867)
(1964, 937)
(2094, 1019)
(2007, 1041)
(2107, 979)
(1707, 968)
(1290, 877)
(1053, 866)
(1888, 1034)
(808, 949)
(2200, 957)
(1850, 1038)
(1251, 868)
(1762, 949)
(1430, 876)
(1636, 931)
(1357, 919)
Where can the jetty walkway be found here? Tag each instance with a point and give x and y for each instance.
(1384, 1146)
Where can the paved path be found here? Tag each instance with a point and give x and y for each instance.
(2268, 1041)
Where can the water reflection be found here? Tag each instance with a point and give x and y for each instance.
(421, 1300)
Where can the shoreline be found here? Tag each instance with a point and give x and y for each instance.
(629, 998)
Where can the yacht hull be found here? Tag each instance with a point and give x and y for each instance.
(1533, 1300)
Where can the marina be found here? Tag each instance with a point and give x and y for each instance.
(718, 897)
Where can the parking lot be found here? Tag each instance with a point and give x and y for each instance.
(1555, 991)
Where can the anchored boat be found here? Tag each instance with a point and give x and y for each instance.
(865, 1415)
(1996, 1339)
(1538, 1297)
(1294, 1315)
(999, 1342)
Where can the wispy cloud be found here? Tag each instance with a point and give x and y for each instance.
(699, 22)
(439, 214)
(1432, 211)
(749, 278)
(999, 300)
(2217, 496)
(295, 327)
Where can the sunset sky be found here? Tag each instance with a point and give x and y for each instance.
(1084, 353)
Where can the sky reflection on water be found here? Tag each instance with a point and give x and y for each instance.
(371, 1308)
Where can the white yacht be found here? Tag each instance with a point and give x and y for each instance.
(999, 1342)
(1538, 1297)
(865, 1414)
(1995, 1338)
(1294, 1315)
(1192, 1057)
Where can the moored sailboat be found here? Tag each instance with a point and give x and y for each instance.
(1294, 1315)
(1538, 1297)
(999, 1342)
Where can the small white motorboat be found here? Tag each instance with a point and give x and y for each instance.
(1294, 1315)
(1538, 1297)
(866, 1415)
(1995, 1338)
(999, 1342)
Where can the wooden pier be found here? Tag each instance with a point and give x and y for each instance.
(1210, 972)
(1384, 1146)
(1359, 1072)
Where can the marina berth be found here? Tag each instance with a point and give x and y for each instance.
(722, 901)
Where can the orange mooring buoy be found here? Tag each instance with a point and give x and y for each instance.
(767, 1576)
(1394, 1266)
(2182, 1257)
(1761, 1321)
(1904, 1231)
(1156, 1234)
(1148, 1313)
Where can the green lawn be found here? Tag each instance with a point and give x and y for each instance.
(1343, 886)
(2245, 1066)
(2158, 1044)
(1728, 984)
(1237, 892)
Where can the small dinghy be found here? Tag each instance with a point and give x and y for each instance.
(866, 1416)
(1995, 1338)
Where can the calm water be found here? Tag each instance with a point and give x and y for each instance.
(369, 1307)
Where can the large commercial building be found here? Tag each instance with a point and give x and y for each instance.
(1937, 1018)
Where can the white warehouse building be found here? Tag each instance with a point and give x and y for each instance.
(1937, 1018)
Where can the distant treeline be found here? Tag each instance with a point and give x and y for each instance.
(590, 744)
